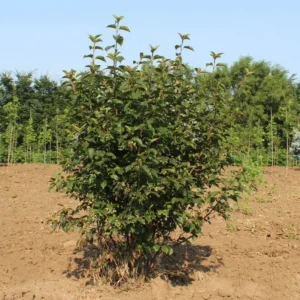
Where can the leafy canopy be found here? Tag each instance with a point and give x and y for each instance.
(148, 152)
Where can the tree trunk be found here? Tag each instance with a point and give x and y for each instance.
(56, 137)
(272, 144)
(287, 147)
(45, 151)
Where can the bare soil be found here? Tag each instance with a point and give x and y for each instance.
(254, 255)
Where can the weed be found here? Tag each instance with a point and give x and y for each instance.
(230, 226)
(261, 199)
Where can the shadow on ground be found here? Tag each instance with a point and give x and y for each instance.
(186, 263)
(181, 268)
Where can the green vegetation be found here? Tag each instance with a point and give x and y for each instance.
(31, 114)
(145, 147)
(149, 149)
(262, 100)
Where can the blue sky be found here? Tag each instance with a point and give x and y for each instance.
(51, 35)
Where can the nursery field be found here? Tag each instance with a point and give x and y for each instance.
(253, 255)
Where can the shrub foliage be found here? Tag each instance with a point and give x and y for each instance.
(149, 147)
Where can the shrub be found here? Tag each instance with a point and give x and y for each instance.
(148, 153)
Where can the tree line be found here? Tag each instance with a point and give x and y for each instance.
(32, 112)
(262, 99)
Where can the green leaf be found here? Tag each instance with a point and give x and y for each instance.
(92, 38)
(104, 184)
(120, 58)
(136, 95)
(146, 169)
(111, 56)
(167, 250)
(177, 185)
(184, 36)
(153, 48)
(100, 58)
(88, 56)
(194, 238)
(139, 141)
(189, 48)
(156, 248)
(216, 55)
(119, 40)
(146, 249)
(124, 28)
(154, 140)
(109, 47)
(54, 225)
(114, 176)
(118, 19)
(114, 26)
(91, 152)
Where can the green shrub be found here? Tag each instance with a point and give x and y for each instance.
(19, 155)
(253, 174)
(38, 157)
(149, 150)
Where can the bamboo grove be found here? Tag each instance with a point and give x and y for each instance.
(263, 100)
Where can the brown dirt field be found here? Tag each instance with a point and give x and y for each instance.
(254, 255)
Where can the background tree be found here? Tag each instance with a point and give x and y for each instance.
(30, 139)
(45, 139)
(11, 110)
